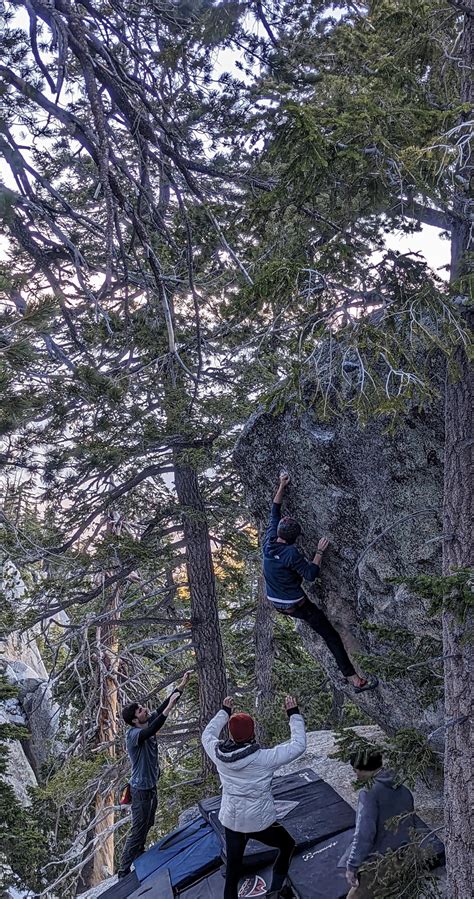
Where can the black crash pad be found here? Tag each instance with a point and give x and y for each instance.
(158, 886)
(253, 886)
(123, 888)
(430, 841)
(314, 873)
(306, 805)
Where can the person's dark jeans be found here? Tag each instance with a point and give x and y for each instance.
(235, 842)
(313, 616)
(144, 804)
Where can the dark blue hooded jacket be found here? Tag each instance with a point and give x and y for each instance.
(284, 565)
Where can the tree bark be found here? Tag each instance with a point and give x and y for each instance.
(264, 655)
(457, 548)
(108, 652)
(205, 630)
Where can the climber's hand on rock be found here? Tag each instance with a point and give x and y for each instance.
(290, 703)
(284, 479)
(352, 878)
(323, 544)
(229, 702)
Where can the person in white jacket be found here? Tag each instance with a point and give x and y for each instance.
(247, 806)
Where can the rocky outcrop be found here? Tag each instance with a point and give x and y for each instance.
(36, 702)
(19, 773)
(377, 496)
(34, 708)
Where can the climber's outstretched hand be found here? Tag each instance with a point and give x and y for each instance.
(229, 702)
(323, 544)
(290, 703)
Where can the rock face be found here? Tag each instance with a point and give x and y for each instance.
(21, 663)
(378, 498)
(19, 773)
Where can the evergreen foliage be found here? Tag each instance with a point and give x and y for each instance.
(407, 753)
(183, 241)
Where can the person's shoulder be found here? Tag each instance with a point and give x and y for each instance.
(292, 552)
(132, 735)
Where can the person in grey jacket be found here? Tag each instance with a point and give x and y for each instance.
(247, 806)
(382, 799)
(142, 749)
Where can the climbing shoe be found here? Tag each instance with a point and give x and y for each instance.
(370, 683)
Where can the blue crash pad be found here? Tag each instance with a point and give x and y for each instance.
(188, 853)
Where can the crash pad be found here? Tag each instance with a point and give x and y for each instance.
(188, 852)
(430, 841)
(122, 888)
(252, 886)
(314, 873)
(157, 886)
(306, 805)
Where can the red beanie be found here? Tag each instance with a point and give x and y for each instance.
(241, 727)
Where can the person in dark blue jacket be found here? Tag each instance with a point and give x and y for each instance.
(284, 568)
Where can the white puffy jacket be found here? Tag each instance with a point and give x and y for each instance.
(246, 775)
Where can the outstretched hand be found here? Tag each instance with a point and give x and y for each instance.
(323, 544)
(184, 680)
(284, 479)
(291, 703)
(229, 702)
(174, 698)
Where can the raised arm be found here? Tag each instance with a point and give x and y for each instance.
(309, 570)
(275, 513)
(210, 734)
(296, 745)
(284, 481)
(366, 829)
(178, 689)
(158, 719)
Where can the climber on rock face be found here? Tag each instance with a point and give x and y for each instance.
(248, 807)
(142, 748)
(284, 568)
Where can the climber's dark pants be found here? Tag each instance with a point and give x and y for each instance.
(144, 804)
(235, 843)
(313, 616)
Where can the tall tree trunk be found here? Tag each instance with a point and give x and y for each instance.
(206, 635)
(457, 523)
(108, 652)
(264, 654)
